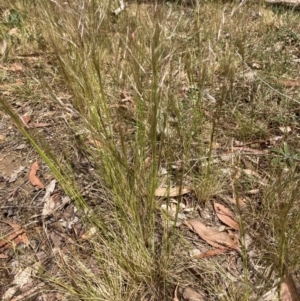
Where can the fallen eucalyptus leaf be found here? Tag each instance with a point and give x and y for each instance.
(226, 216)
(216, 239)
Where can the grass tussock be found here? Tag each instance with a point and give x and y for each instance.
(163, 96)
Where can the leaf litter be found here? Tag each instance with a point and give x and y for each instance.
(22, 278)
(18, 236)
(221, 240)
(226, 216)
(33, 178)
(49, 204)
(13, 177)
(26, 120)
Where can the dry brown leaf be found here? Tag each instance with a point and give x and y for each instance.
(6, 243)
(210, 253)
(289, 82)
(171, 192)
(26, 119)
(18, 236)
(226, 216)
(34, 180)
(57, 239)
(288, 290)
(22, 237)
(192, 295)
(216, 239)
(16, 227)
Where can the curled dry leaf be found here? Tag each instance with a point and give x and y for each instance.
(226, 216)
(34, 180)
(216, 239)
(171, 192)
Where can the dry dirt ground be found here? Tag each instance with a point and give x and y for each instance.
(23, 236)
